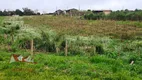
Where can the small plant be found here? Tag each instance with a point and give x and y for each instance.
(99, 49)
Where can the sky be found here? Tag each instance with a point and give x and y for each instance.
(52, 5)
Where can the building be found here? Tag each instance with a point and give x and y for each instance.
(60, 12)
(69, 12)
(106, 12)
(72, 12)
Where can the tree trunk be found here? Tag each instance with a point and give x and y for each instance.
(32, 47)
(66, 48)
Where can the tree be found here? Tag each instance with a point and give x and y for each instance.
(28, 11)
(5, 13)
(18, 12)
(1, 13)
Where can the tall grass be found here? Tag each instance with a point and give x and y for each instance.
(1, 19)
(93, 52)
(75, 26)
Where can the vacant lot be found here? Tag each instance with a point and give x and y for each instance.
(76, 26)
(96, 50)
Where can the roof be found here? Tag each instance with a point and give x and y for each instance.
(20, 58)
(103, 10)
(73, 9)
(107, 10)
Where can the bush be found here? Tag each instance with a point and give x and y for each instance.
(112, 54)
(93, 16)
(99, 49)
(117, 15)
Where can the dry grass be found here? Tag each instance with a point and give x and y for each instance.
(76, 26)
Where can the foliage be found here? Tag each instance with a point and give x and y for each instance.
(86, 40)
(93, 16)
(75, 27)
(117, 15)
(26, 11)
(46, 42)
(19, 12)
(74, 67)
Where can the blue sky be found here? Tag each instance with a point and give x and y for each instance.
(52, 5)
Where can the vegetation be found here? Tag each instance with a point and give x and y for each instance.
(74, 26)
(1, 19)
(55, 67)
(116, 15)
(69, 48)
(26, 11)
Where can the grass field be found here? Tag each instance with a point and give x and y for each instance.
(53, 67)
(97, 50)
(1, 19)
(76, 26)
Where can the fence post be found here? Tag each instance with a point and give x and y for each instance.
(32, 47)
(94, 50)
(66, 48)
(57, 50)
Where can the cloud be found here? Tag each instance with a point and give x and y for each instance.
(52, 5)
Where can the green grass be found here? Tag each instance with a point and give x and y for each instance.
(53, 67)
(1, 19)
(130, 23)
(111, 63)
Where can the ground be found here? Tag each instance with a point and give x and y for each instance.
(119, 41)
(55, 67)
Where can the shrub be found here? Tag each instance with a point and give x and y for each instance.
(1, 59)
(99, 49)
(76, 51)
(112, 54)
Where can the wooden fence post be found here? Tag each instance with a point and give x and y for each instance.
(32, 47)
(94, 50)
(66, 48)
(57, 50)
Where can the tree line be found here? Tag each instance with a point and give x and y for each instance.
(24, 11)
(124, 15)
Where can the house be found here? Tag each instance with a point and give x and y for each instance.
(60, 12)
(72, 12)
(106, 12)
